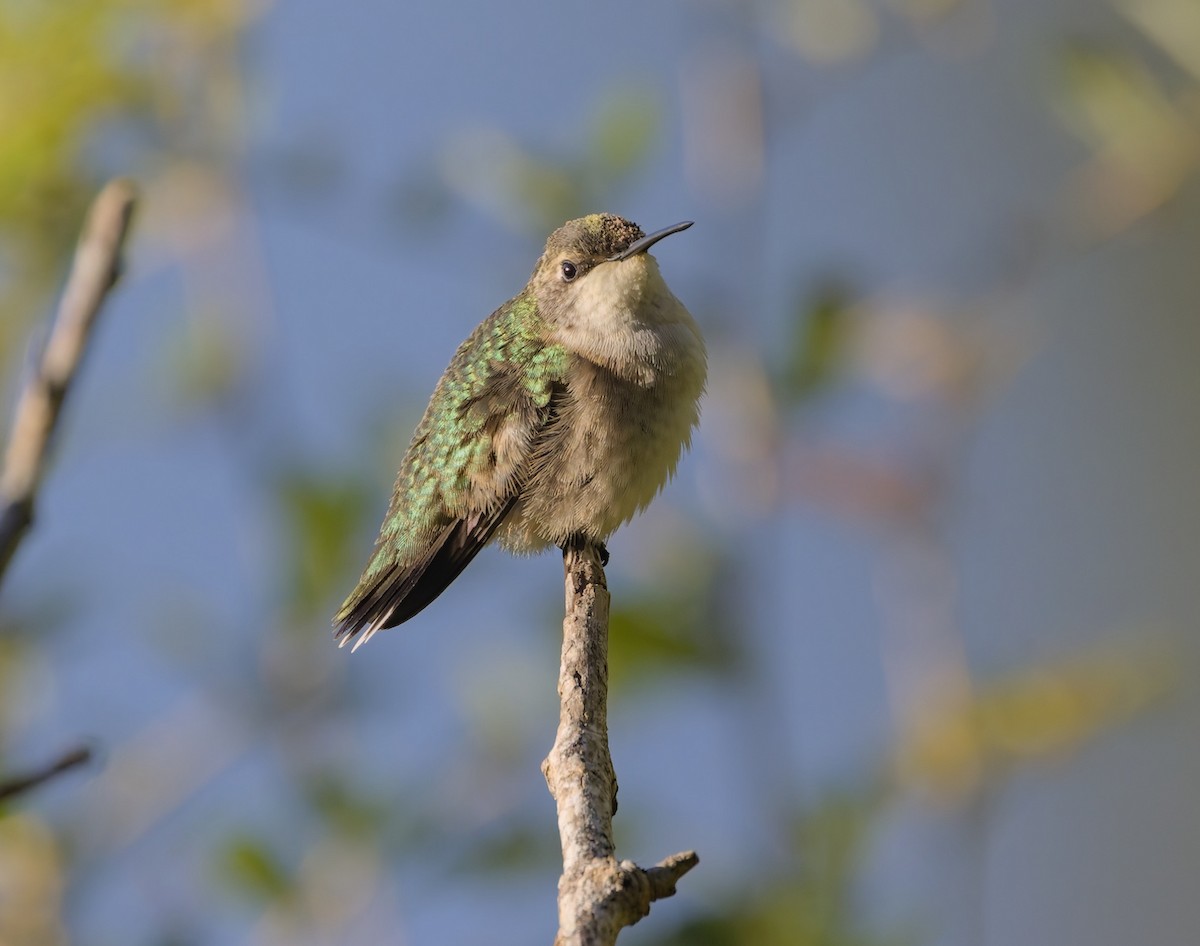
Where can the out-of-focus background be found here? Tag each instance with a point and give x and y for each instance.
(907, 651)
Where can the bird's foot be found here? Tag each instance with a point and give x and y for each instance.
(578, 541)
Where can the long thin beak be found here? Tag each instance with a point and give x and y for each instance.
(640, 246)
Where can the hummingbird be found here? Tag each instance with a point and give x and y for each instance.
(558, 419)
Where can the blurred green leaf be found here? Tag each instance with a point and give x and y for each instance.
(664, 633)
(728, 928)
(622, 135)
(181, 936)
(684, 625)
(308, 170)
(829, 841)
(815, 902)
(323, 517)
(515, 847)
(821, 332)
(246, 864)
(204, 364)
(345, 809)
(418, 200)
(535, 192)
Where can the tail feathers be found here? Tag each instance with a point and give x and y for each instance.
(404, 589)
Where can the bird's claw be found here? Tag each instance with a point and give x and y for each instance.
(578, 542)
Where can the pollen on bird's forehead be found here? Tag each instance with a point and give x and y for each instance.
(596, 235)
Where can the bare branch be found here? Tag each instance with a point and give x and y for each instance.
(597, 895)
(96, 268)
(10, 788)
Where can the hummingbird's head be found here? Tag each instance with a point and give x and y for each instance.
(596, 269)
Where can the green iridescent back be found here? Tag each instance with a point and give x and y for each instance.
(503, 368)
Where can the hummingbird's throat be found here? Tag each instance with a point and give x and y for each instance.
(620, 316)
(615, 294)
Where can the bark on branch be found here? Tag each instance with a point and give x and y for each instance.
(597, 895)
(95, 270)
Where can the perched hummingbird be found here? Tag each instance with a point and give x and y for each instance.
(558, 419)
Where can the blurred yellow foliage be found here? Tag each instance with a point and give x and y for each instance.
(88, 89)
(1145, 137)
(1173, 24)
(31, 881)
(830, 31)
(57, 80)
(959, 745)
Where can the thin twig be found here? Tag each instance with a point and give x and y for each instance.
(95, 270)
(597, 895)
(10, 788)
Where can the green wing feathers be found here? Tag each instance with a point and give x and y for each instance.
(462, 472)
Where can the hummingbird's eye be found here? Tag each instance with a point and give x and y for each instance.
(569, 271)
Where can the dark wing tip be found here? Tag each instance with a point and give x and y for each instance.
(403, 591)
(397, 595)
(368, 610)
